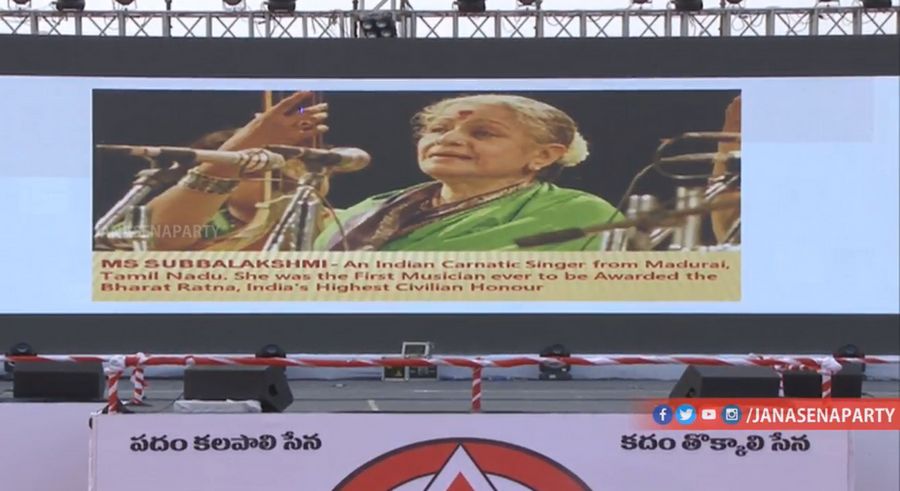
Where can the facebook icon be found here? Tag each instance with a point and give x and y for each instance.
(662, 414)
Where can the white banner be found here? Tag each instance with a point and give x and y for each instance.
(451, 452)
(44, 446)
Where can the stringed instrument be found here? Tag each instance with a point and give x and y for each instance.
(276, 194)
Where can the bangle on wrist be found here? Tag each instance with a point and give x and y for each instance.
(198, 181)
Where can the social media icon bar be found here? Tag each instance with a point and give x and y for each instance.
(708, 414)
(662, 414)
(686, 414)
(731, 414)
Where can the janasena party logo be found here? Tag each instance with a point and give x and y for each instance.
(462, 464)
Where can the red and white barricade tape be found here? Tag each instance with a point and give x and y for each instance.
(476, 389)
(116, 364)
(113, 370)
(827, 369)
(138, 381)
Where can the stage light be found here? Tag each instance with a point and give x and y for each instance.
(378, 25)
(555, 370)
(735, 3)
(22, 3)
(271, 351)
(18, 349)
(849, 351)
(876, 4)
(69, 5)
(21, 349)
(470, 6)
(688, 5)
(281, 6)
(641, 2)
(124, 4)
(234, 5)
(528, 3)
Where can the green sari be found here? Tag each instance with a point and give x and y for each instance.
(405, 220)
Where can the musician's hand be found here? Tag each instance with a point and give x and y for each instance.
(289, 122)
(733, 116)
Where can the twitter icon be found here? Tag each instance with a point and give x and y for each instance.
(685, 414)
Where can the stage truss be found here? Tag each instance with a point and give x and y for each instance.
(630, 23)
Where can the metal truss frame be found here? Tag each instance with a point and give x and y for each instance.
(628, 23)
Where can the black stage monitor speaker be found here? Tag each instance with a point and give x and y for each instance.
(845, 384)
(268, 385)
(704, 381)
(800, 383)
(848, 382)
(59, 381)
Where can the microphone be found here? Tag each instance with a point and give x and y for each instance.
(733, 156)
(250, 160)
(722, 136)
(338, 159)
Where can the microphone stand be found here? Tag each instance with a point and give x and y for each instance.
(297, 229)
(298, 226)
(686, 235)
(140, 237)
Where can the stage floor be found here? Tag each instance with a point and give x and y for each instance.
(580, 396)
